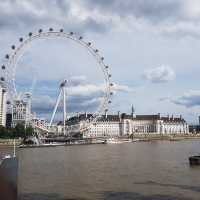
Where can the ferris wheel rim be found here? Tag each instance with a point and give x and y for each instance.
(17, 53)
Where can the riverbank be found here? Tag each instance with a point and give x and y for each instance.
(137, 138)
(10, 142)
(146, 137)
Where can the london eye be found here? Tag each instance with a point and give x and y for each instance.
(10, 65)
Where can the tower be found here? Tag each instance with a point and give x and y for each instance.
(2, 106)
(28, 97)
(133, 112)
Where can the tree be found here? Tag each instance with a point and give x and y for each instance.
(29, 131)
(2, 132)
(19, 131)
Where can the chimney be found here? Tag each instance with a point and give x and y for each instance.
(172, 117)
(159, 115)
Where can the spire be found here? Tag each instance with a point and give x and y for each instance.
(132, 111)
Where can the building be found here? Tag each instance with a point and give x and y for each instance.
(8, 120)
(195, 128)
(2, 106)
(124, 125)
(153, 124)
(39, 122)
(20, 113)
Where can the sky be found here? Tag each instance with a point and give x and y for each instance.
(151, 46)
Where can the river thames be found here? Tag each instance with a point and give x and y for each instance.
(138, 171)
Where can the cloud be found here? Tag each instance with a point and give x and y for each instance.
(43, 104)
(77, 80)
(81, 97)
(20, 14)
(160, 74)
(188, 99)
(151, 10)
(178, 18)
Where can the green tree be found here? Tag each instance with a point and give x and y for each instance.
(19, 131)
(29, 131)
(2, 132)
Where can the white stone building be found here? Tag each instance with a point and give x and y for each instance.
(20, 113)
(124, 125)
(3, 106)
(153, 124)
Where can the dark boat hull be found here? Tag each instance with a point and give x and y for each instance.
(194, 160)
(8, 179)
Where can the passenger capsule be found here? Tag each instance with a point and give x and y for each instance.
(40, 31)
(2, 79)
(13, 47)
(89, 43)
(7, 56)
(71, 33)
(102, 58)
(107, 66)
(109, 75)
(61, 30)
(96, 50)
(21, 39)
(111, 84)
(109, 101)
(3, 67)
(80, 38)
(30, 34)
(50, 29)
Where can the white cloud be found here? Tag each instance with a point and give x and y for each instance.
(122, 88)
(188, 99)
(22, 14)
(160, 74)
(191, 9)
(81, 97)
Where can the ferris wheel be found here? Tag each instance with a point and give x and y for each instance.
(10, 65)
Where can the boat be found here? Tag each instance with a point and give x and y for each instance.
(117, 141)
(53, 144)
(136, 140)
(194, 160)
(9, 177)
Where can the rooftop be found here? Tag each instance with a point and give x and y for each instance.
(118, 117)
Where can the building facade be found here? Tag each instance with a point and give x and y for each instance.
(126, 125)
(2, 106)
(20, 113)
(39, 122)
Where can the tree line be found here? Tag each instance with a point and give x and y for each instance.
(19, 131)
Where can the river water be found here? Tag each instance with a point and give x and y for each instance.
(132, 171)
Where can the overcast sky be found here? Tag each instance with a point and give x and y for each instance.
(152, 47)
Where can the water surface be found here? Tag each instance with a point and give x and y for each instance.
(138, 171)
